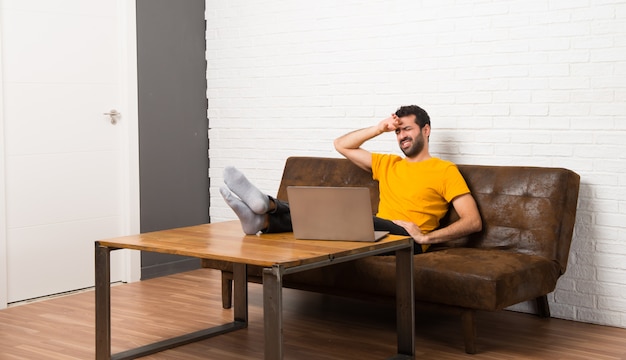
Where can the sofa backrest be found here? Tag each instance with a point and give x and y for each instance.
(531, 210)
(318, 171)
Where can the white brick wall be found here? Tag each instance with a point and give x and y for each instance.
(522, 82)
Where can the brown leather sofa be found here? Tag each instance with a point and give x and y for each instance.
(528, 218)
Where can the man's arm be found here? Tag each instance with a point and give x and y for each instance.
(469, 222)
(349, 145)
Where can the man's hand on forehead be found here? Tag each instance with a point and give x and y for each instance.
(389, 124)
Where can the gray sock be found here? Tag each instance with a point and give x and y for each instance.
(251, 222)
(237, 182)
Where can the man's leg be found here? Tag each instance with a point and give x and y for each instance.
(388, 225)
(276, 221)
(279, 218)
(256, 210)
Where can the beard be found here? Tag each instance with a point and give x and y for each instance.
(417, 145)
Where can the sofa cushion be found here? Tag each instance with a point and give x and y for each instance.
(447, 277)
(501, 279)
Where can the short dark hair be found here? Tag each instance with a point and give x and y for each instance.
(421, 116)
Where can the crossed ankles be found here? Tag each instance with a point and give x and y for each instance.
(246, 191)
(250, 204)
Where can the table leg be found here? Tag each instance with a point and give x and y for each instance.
(103, 302)
(405, 304)
(240, 293)
(103, 313)
(272, 312)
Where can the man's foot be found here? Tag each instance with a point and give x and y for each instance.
(251, 222)
(237, 182)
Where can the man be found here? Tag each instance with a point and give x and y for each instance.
(415, 190)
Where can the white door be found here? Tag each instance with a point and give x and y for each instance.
(71, 175)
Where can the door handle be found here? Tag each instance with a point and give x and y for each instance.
(114, 115)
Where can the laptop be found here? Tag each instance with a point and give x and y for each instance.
(332, 213)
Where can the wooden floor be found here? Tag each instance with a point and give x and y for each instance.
(315, 327)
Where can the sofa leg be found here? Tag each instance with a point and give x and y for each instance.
(469, 330)
(543, 308)
(227, 290)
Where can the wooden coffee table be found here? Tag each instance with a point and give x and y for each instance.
(278, 254)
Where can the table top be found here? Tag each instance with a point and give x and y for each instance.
(226, 241)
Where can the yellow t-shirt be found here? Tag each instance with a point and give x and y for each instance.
(419, 192)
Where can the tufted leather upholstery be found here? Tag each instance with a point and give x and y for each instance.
(528, 218)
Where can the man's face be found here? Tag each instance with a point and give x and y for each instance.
(410, 136)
